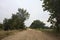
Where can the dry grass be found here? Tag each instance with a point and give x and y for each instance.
(52, 33)
(6, 33)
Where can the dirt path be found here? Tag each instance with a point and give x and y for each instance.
(29, 35)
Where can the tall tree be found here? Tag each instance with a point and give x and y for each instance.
(21, 16)
(17, 20)
(53, 6)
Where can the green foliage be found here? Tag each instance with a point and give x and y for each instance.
(1, 26)
(53, 6)
(37, 24)
(5, 23)
(16, 21)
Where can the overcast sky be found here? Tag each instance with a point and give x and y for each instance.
(34, 7)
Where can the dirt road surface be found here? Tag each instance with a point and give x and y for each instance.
(30, 35)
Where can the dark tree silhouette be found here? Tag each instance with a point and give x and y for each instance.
(1, 26)
(37, 24)
(16, 21)
(53, 6)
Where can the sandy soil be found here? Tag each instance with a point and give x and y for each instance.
(30, 35)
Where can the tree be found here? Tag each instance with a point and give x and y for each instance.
(16, 21)
(53, 6)
(37, 24)
(20, 17)
(1, 26)
(5, 23)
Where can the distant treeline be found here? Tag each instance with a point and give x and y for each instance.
(37, 24)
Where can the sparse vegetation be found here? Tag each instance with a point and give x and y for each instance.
(7, 33)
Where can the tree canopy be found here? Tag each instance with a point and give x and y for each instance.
(37, 24)
(17, 20)
(53, 6)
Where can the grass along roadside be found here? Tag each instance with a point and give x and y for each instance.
(7, 33)
(51, 33)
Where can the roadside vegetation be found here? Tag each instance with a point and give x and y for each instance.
(53, 6)
(40, 26)
(7, 33)
(16, 22)
(37, 24)
(13, 24)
